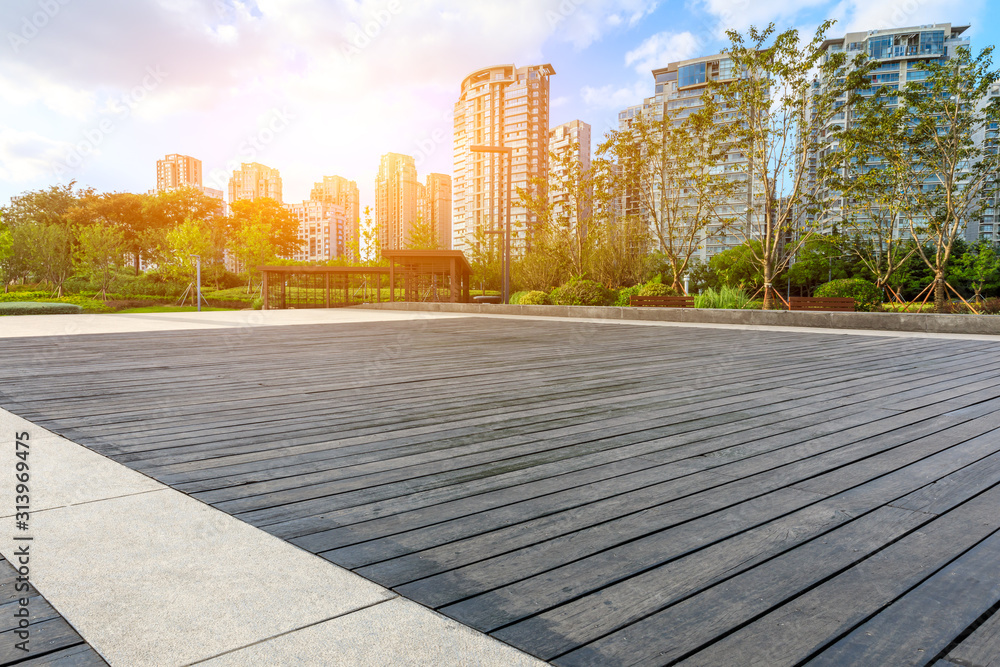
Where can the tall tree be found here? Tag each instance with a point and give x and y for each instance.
(875, 188)
(779, 115)
(261, 230)
(6, 252)
(674, 171)
(49, 249)
(979, 268)
(422, 235)
(942, 119)
(43, 207)
(124, 211)
(101, 249)
(191, 237)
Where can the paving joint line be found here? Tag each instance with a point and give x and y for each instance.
(395, 596)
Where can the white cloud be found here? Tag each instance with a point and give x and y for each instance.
(865, 15)
(583, 22)
(362, 77)
(615, 97)
(661, 49)
(27, 156)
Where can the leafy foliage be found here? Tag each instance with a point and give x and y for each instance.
(657, 289)
(37, 308)
(782, 116)
(724, 297)
(535, 298)
(581, 292)
(867, 296)
(101, 249)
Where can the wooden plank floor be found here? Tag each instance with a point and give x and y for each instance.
(51, 641)
(594, 494)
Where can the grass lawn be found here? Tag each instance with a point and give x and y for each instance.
(169, 309)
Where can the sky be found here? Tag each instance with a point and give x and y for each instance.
(96, 91)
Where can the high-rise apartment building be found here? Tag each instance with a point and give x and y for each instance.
(323, 230)
(988, 228)
(499, 106)
(253, 181)
(342, 192)
(898, 54)
(570, 143)
(175, 171)
(678, 89)
(396, 200)
(434, 207)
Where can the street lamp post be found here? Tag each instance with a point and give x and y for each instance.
(507, 151)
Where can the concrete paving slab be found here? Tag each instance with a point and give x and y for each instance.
(162, 579)
(68, 325)
(61, 472)
(397, 632)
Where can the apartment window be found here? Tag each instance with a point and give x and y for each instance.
(691, 75)
(880, 47)
(932, 42)
(726, 69)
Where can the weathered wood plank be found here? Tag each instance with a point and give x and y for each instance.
(982, 647)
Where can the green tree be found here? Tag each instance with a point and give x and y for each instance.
(260, 231)
(875, 189)
(422, 235)
(979, 268)
(486, 261)
(101, 249)
(937, 125)
(777, 123)
(564, 231)
(674, 172)
(823, 258)
(123, 211)
(49, 249)
(191, 237)
(370, 243)
(739, 266)
(42, 207)
(6, 252)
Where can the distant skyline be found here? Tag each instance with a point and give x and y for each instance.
(98, 91)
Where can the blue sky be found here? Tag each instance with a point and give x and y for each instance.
(97, 90)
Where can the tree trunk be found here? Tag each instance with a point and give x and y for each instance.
(136, 262)
(768, 293)
(940, 295)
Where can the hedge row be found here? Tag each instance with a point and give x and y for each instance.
(38, 308)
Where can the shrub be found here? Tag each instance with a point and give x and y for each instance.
(656, 289)
(724, 297)
(515, 298)
(867, 297)
(89, 305)
(989, 306)
(38, 308)
(233, 294)
(578, 292)
(149, 284)
(77, 285)
(534, 298)
(624, 295)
